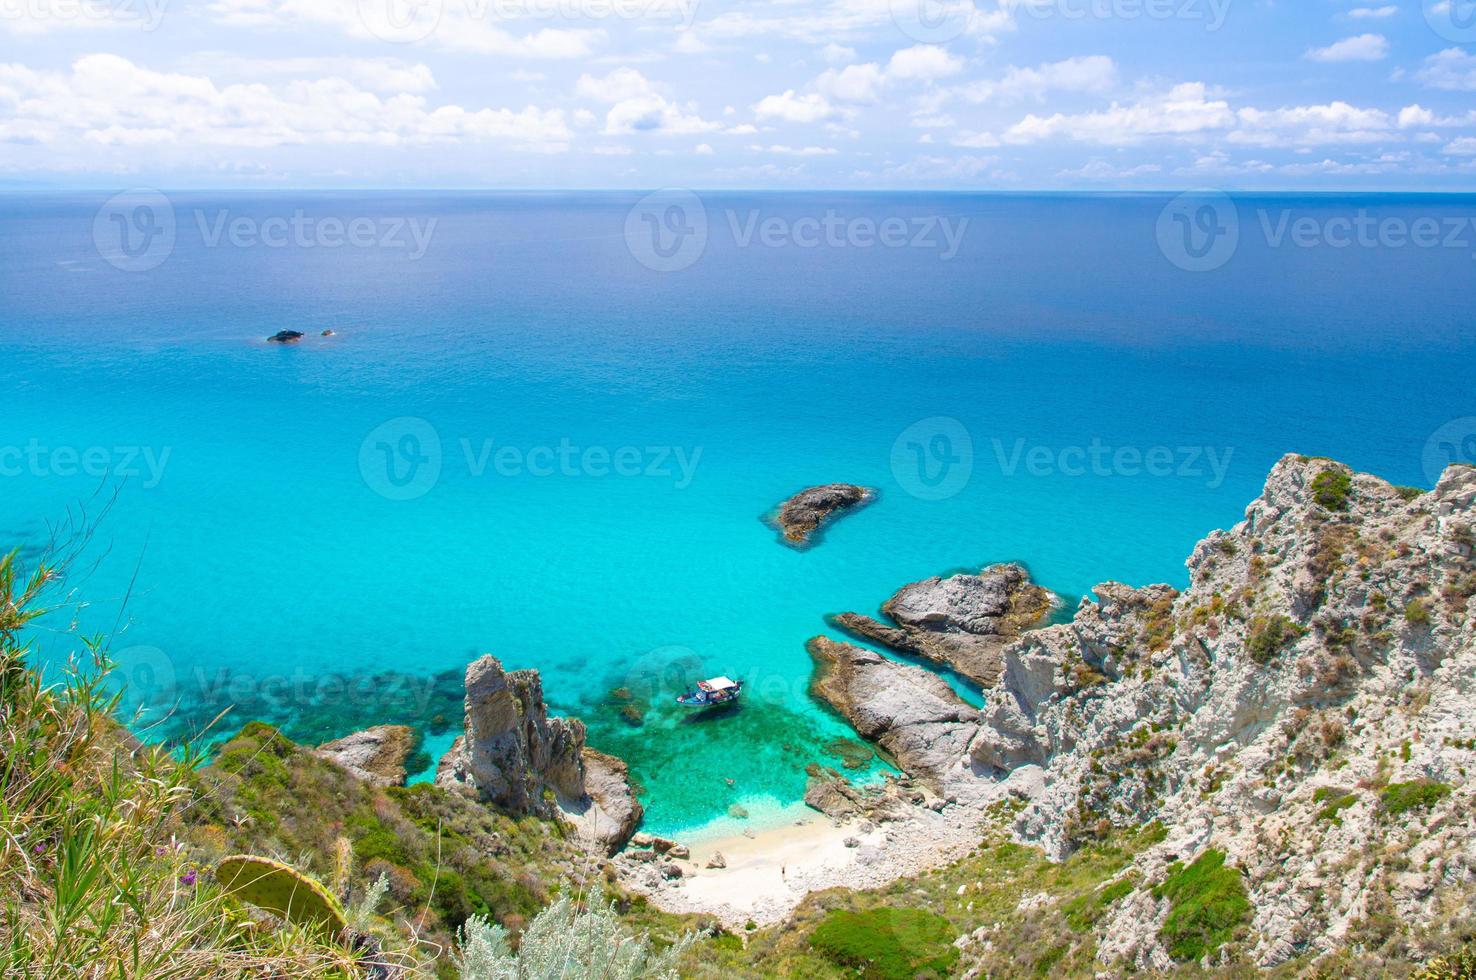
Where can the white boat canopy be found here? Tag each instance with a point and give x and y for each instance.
(717, 684)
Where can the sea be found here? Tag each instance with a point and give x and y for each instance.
(552, 426)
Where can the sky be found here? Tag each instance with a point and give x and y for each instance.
(883, 94)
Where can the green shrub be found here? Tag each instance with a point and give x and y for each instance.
(1409, 493)
(887, 943)
(1208, 905)
(1269, 635)
(1460, 965)
(1083, 911)
(1419, 795)
(563, 941)
(1336, 803)
(1331, 489)
(1417, 613)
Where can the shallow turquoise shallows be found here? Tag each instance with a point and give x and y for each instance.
(527, 442)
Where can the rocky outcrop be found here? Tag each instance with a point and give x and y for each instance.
(1317, 675)
(962, 622)
(516, 757)
(911, 714)
(376, 755)
(285, 337)
(800, 517)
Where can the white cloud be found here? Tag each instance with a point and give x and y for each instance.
(789, 107)
(838, 54)
(110, 100)
(702, 150)
(796, 151)
(655, 114)
(1452, 69)
(1336, 122)
(1185, 109)
(1364, 47)
(859, 84)
(923, 62)
(455, 26)
(1417, 116)
(618, 86)
(1087, 74)
(386, 75)
(689, 43)
(1463, 147)
(1373, 13)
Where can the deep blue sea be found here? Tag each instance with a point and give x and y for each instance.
(523, 439)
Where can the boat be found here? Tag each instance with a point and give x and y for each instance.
(714, 690)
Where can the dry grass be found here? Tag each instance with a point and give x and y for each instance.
(92, 882)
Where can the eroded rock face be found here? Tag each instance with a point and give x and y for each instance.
(516, 757)
(963, 622)
(376, 755)
(801, 516)
(911, 714)
(1324, 650)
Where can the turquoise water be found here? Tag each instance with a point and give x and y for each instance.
(273, 567)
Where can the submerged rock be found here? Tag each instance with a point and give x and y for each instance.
(376, 755)
(962, 622)
(285, 337)
(515, 756)
(800, 516)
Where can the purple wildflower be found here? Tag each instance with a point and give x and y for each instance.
(188, 878)
(39, 848)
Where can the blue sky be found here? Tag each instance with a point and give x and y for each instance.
(990, 94)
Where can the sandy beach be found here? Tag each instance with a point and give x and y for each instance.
(768, 872)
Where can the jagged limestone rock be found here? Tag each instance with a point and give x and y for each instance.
(516, 757)
(962, 622)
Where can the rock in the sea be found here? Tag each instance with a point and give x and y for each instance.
(963, 622)
(376, 755)
(911, 714)
(832, 794)
(326, 333)
(800, 516)
(285, 337)
(516, 757)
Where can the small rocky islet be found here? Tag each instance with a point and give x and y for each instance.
(800, 518)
